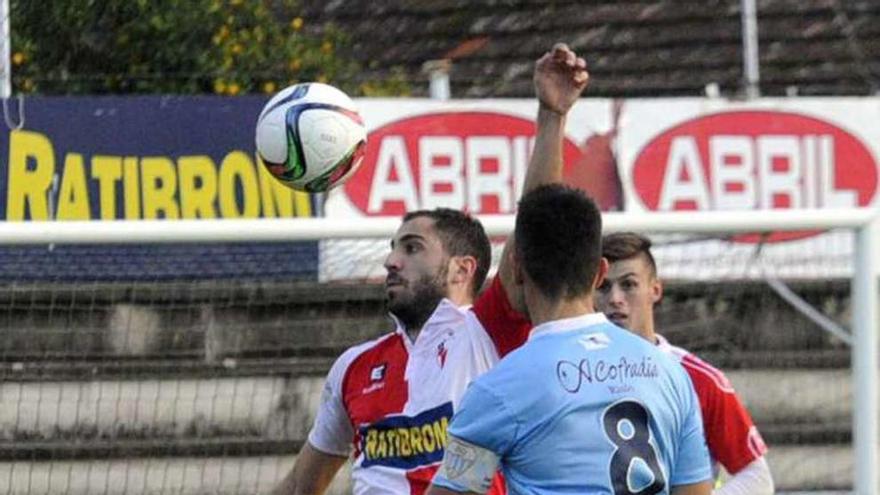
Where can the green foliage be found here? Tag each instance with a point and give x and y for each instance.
(224, 47)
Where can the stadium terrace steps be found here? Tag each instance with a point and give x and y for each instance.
(135, 476)
(151, 448)
(729, 323)
(279, 403)
(251, 411)
(231, 376)
(42, 370)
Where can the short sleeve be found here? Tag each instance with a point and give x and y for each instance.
(483, 419)
(692, 464)
(332, 432)
(507, 327)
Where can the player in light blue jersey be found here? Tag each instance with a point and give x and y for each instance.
(584, 407)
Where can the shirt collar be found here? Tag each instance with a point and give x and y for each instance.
(661, 341)
(566, 324)
(445, 312)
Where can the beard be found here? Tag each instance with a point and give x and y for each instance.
(414, 308)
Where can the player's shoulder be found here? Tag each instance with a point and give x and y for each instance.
(633, 344)
(635, 348)
(515, 369)
(377, 343)
(449, 316)
(703, 374)
(377, 347)
(492, 303)
(595, 337)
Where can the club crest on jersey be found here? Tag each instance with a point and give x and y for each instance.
(441, 353)
(406, 442)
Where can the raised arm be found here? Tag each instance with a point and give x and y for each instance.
(560, 78)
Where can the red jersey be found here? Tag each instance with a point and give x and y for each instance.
(387, 402)
(733, 440)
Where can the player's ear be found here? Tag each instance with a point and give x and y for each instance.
(601, 273)
(656, 290)
(462, 269)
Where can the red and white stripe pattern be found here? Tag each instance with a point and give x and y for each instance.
(387, 402)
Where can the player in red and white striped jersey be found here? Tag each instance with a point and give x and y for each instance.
(386, 403)
(627, 297)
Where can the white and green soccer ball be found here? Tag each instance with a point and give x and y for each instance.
(311, 137)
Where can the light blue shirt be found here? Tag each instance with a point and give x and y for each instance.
(589, 408)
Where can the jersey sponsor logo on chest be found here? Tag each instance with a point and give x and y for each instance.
(406, 442)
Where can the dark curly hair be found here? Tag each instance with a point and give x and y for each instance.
(558, 240)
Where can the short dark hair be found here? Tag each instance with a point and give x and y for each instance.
(622, 246)
(558, 240)
(461, 235)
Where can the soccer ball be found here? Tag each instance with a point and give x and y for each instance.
(311, 137)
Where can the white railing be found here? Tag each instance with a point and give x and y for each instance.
(303, 229)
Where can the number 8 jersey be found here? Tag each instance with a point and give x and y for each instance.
(583, 407)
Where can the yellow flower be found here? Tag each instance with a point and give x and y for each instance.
(237, 48)
(221, 35)
(18, 58)
(296, 23)
(233, 89)
(269, 87)
(327, 47)
(219, 86)
(294, 64)
(28, 85)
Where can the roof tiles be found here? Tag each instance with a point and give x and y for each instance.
(634, 48)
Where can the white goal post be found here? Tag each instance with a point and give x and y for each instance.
(865, 222)
(309, 229)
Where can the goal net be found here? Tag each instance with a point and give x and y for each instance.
(160, 357)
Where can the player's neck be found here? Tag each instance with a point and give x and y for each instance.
(542, 310)
(460, 295)
(648, 333)
(413, 333)
(459, 299)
